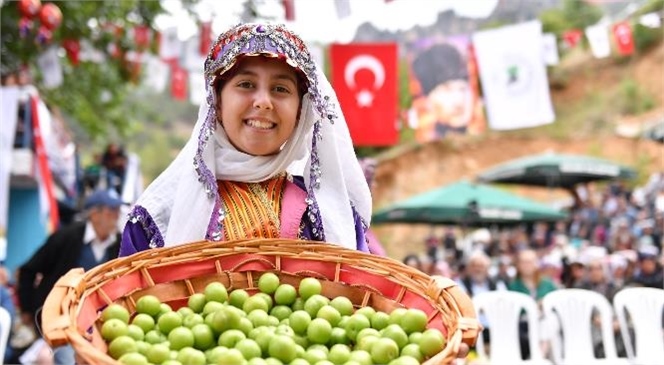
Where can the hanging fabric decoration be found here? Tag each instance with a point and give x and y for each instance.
(73, 49)
(289, 9)
(622, 33)
(205, 39)
(142, 37)
(572, 37)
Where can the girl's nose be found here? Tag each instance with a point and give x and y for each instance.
(262, 99)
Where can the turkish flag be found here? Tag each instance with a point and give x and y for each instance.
(624, 40)
(178, 83)
(364, 77)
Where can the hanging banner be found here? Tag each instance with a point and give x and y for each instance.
(179, 83)
(343, 8)
(443, 83)
(205, 38)
(550, 49)
(364, 77)
(192, 60)
(318, 54)
(289, 9)
(598, 38)
(50, 67)
(196, 88)
(169, 44)
(49, 202)
(142, 36)
(572, 37)
(650, 20)
(622, 33)
(513, 74)
(156, 73)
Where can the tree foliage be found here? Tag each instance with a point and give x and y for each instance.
(93, 95)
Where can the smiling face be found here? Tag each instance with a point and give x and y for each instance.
(258, 105)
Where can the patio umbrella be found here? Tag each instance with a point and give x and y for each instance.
(555, 170)
(467, 204)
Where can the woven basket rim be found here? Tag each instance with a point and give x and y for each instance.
(85, 285)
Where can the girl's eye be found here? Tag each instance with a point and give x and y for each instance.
(245, 84)
(281, 89)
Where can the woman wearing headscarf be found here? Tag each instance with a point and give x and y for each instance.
(268, 109)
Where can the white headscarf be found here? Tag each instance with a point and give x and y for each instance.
(184, 202)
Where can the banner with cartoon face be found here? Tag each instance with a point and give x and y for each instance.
(444, 85)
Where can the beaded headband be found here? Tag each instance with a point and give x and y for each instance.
(254, 39)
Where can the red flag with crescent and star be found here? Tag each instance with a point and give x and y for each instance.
(364, 77)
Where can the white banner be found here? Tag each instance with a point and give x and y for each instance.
(598, 37)
(9, 97)
(170, 46)
(193, 61)
(51, 69)
(651, 20)
(196, 87)
(550, 49)
(343, 8)
(156, 73)
(513, 74)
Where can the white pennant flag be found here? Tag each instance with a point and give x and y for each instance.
(49, 64)
(343, 8)
(317, 54)
(513, 74)
(170, 46)
(650, 20)
(196, 88)
(550, 49)
(156, 73)
(598, 37)
(193, 61)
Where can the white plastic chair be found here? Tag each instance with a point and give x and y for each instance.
(5, 327)
(574, 309)
(502, 310)
(645, 306)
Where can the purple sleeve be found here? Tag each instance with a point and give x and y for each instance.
(140, 233)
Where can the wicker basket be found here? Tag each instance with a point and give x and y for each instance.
(73, 307)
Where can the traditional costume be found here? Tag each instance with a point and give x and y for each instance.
(214, 191)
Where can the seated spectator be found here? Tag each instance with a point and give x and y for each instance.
(648, 272)
(530, 281)
(414, 261)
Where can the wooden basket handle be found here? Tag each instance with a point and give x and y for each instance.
(55, 318)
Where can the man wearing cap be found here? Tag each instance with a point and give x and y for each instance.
(85, 244)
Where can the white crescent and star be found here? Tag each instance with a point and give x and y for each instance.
(364, 97)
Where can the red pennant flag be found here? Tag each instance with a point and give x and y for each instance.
(179, 83)
(365, 80)
(73, 48)
(289, 9)
(624, 40)
(572, 37)
(142, 36)
(206, 38)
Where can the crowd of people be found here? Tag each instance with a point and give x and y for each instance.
(612, 240)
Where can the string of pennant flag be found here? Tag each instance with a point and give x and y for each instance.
(181, 62)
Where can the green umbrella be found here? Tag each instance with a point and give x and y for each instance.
(555, 170)
(655, 132)
(469, 204)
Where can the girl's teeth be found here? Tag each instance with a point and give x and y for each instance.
(259, 124)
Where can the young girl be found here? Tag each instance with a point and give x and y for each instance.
(269, 110)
